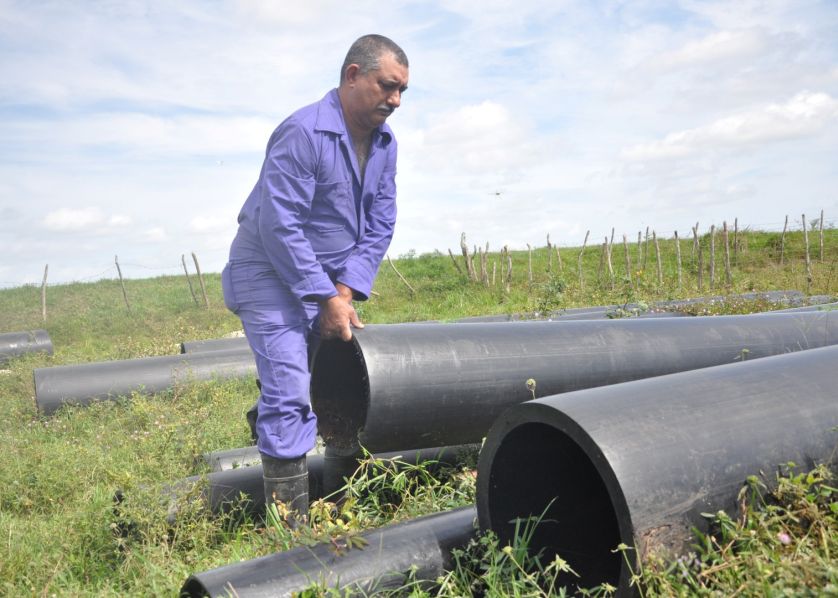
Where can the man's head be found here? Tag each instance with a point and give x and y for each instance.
(366, 52)
(372, 79)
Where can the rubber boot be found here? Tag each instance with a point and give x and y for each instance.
(339, 464)
(286, 482)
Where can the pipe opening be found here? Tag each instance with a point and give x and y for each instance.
(340, 392)
(536, 464)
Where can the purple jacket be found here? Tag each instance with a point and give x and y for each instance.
(309, 216)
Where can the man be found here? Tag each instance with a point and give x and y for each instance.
(311, 237)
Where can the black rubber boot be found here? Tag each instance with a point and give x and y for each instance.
(286, 482)
(338, 465)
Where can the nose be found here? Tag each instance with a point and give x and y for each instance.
(395, 99)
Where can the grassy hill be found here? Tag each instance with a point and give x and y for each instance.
(59, 532)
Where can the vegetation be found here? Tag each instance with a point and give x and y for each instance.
(62, 535)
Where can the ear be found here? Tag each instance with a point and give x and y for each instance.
(352, 72)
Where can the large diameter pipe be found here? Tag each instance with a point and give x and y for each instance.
(421, 547)
(15, 344)
(84, 383)
(401, 386)
(242, 488)
(638, 463)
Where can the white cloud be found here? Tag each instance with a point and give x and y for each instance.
(90, 220)
(475, 140)
(118, 220)
(804, 115)
(70, 219)
(209, 224)
(155, 234)
(719, 46)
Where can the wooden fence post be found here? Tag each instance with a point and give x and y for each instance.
(808, 261)
(508, 268)
(658, 258)
(700, 268)
(44, 294)
(713, 232)
(471, 259)
(456, 265)
(645, 250)
(735, 241)
(728, 277)
(469, 265)
(581, 253)
(628, 260)
(121, 282)
(820, 226)
(549, 255)
(608, 259)
(783, 240)
(529, 264)
(601, 267)
(678, 258)
(484, 265)
(639, 250)
(399, 274)
(201, 280)
(188, 280)
(694, 253)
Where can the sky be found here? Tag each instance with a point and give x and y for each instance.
(137, 129)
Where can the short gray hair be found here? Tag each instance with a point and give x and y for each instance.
(367, 51)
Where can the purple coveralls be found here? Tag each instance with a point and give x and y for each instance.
(308, 223)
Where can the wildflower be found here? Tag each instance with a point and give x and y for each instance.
(784, 538)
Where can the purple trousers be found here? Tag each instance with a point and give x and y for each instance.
(279, 328)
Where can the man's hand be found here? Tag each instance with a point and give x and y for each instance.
(337, 316)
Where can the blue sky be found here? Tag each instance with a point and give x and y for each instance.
(138, 128)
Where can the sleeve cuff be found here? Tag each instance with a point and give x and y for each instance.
(360, 283)
(315, 288)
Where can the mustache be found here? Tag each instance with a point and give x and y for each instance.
(385, 108)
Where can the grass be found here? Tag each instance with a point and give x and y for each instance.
(60, 533)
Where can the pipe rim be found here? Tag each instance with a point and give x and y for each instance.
(527, 440)
(340, 399)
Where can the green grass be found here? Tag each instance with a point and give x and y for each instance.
(60, 534)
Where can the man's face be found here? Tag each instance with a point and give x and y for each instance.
(375, 95)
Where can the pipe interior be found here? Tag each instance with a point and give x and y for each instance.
(536, 464)
(339, 393)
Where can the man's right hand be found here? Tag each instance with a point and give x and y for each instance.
(338, 317)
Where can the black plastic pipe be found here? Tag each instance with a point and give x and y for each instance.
(215, 344)
(84, 383)
(242, 487)
(638, 463)
(422, 545)
(14, 344)
(571, 313)
(401, 386)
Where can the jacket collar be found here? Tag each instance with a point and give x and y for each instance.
(330, 119)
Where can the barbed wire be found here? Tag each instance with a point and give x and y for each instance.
(794, 225)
